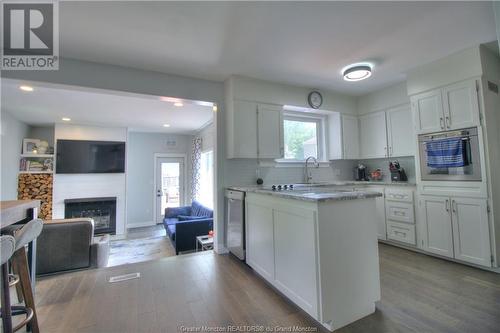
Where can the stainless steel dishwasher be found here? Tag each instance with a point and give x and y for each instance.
(235, 223)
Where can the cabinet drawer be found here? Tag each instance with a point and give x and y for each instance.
(399, 195)
(400, 211)
(401, 232)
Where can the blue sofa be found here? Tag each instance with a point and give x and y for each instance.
(184, 224)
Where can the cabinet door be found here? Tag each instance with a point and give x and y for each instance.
(244, 130)
(380, 213)
(461, 105)
(400, 133)
(260, 244)
(295, 257)
(270, 131)
(471, 236)
(435, 213)
(350, 137)
(373, 135)
(428, 112)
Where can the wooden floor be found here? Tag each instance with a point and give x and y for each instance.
(419, 294)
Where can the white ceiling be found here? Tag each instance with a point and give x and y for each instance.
(301, 43)
(48, 104)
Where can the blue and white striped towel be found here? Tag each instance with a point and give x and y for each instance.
(446, 153)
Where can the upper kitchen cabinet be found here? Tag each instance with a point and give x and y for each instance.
(400, 133)
(343, 134)
(452, 107)
(254, 130)
(270, 142)
(428, 112)
(242, 130)
(461, 108)
(373, 135)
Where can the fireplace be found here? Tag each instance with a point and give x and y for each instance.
(102, 210)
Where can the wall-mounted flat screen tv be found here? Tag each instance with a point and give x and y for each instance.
(77, 156)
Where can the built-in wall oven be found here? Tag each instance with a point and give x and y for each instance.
(450, 156)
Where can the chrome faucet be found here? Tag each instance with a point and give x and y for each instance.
(307, 173)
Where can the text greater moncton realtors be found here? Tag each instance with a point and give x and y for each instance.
(28, 62)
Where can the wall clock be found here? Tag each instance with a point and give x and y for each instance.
(315, 99)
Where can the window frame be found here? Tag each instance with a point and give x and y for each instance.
(320, 121)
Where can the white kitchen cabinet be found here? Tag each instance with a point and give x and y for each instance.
(254, 130)
(379, 213)
(461, 105)
(260, 239)
(471, 236)
(428, 111)
(457, 227)
(242, 130)
(401, 232)
(373, 135)
(295, 242)
(350, 135)
(400, 134)
(435, 214)
(270, 131)
(343, 136)
(452, 107)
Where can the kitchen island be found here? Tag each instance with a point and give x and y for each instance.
(318, 246)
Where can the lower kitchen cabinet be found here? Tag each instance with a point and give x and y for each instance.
(471, 236)
(438, 237)
(295, 242)
(457, 228)
(260, 240)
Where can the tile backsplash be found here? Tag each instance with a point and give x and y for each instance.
(246, 171)
(408, 163)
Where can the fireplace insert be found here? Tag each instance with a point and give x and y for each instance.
(101, 210)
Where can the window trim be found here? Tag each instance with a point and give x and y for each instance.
(320, 121)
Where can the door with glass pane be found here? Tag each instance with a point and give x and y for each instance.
(169, 184)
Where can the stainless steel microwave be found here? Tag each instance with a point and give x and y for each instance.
(450, 156)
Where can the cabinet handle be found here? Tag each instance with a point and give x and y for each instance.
(390, 151)
(447, 205)
(441, 122)
(447, 122)
(453, 206)
(385, 149)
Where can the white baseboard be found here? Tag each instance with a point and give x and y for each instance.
(141, 224)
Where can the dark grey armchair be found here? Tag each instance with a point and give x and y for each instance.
(69, 244)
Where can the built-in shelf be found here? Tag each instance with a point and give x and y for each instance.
(38, 155)
(36, 172)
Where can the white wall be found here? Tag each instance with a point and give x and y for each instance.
(140, 172)
(207, 137)
(454, 68)
(12, 135)
(69, 186)
(249, 89)
(496, 9)
(42, 133)
(383, 99)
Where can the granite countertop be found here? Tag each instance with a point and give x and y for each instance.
(321, 191)
(311, 193)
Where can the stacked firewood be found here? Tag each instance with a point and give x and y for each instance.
(37, 186)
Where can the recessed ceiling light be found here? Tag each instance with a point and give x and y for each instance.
(357, 72)
(65, 119)
(26, 88)
(166, 125)
(178, 104)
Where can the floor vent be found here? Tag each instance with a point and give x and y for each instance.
(120, 278)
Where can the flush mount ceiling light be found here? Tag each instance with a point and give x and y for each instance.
(178, 104)
(26, 88)
(65, 119)
(357, 72)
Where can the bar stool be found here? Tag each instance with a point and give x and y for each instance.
(19, 262)
(7, 247)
